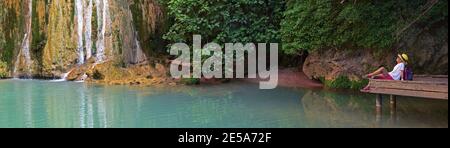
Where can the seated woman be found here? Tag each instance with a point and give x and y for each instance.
(395, 74)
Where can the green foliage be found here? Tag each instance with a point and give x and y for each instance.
(190, 81)
(225, 21)
(318, 24)
(340, 82)
(301, 24)
(358, 85)
(306, 25)
(343, 82)
(3, 69)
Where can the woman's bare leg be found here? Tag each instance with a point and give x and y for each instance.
(379, 71)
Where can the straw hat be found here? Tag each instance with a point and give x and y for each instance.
(404, 57)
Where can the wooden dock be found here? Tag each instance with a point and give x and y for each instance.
(432, 87)
(423, 86)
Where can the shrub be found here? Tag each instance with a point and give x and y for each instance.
(343, 82)
(190, 81)
(3, 69)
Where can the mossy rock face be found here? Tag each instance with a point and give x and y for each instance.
(11, 30)
(149, 21)
(60, 49)
(3, 69)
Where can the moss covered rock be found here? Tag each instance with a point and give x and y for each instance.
(3, 69)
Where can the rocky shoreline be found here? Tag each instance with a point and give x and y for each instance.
(157, 75)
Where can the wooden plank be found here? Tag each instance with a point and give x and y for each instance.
(412, 82)
(424, 86)
(427, 79)
(421, 94)
(410, 85)
(432, 78)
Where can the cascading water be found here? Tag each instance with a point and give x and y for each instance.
(84, 20)
(26, 54)
(135, 54)
(63, 77)
(80, 21)
(88, 29)
(25, 48)
(103, 16)
(138, 51)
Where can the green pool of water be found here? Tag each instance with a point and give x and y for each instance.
(33, 103)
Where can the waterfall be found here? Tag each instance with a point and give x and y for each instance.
(139, 55)
(134, 55)
(103, 16)
(26, 53)
(84, 19)
(88, 29)
(79, 16)
(25, 48)
(63, 77)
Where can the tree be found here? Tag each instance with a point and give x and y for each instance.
(225, 21)
(318, 24)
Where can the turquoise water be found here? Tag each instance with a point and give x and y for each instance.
(33, 103)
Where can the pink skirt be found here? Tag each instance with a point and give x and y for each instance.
(384, 77)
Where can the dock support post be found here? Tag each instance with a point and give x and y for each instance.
(379, 107)
(379, 101)
(393, 104)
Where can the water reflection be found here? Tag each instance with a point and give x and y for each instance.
(82, 113)
(337, 110)
(326, 109)
(92, 107)
(102, 112)
(64, 104)
(28, 106)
